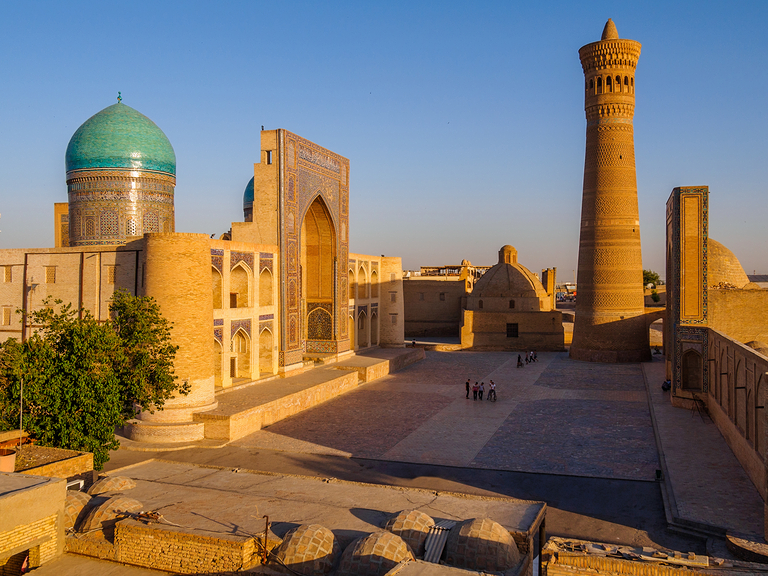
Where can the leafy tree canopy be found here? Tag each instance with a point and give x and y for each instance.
(83, 378)
(650, 277)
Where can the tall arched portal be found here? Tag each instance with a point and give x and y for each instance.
(318, 271)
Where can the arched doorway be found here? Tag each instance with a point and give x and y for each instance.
(352, 332)
(318, 253)
(265, 352)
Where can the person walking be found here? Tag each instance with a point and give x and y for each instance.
(482, 388)
(467, 388)
(492, 391)
(519, 361)
(474, 391)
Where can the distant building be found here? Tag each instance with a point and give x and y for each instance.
(510, 309)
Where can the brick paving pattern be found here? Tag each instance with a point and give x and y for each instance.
(552, 416)
(580, 437)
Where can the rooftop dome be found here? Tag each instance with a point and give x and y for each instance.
(723, 268)
(120, 137)
(248, 195)
(509, 279)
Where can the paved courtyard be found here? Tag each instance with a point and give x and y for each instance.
(555, 416)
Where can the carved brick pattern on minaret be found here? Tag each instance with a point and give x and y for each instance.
(610, 324)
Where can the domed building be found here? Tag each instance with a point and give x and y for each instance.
(248, 202)
(509, 309)
(121, 174)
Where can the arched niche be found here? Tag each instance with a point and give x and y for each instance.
(265, 288)
(692, 370)
(362, 329)
(374, 328)
(374, 284)
(362, 285)
(241, 350)
(238, 287)
(265, 351)
(318, 253)
(216, 287)
(217, 351)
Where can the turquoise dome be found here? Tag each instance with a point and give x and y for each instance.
(120, 137)
(248, 195)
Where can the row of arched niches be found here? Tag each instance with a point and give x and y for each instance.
(609, 84)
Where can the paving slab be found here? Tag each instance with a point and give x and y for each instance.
(707, 483)
(552, 416)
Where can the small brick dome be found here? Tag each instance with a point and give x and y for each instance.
(413, 527)
(111, 484)
(374, 555)
(73, 507)
(481, 544)
(309, 549)
(723, 268)
(105, 515)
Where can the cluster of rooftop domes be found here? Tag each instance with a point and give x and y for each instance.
(120, 137)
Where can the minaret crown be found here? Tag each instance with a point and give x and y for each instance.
(610, 32)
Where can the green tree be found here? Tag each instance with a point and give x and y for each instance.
(83, 378)
(650, 277)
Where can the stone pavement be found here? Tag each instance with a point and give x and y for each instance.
(555, 416)
(706, 485)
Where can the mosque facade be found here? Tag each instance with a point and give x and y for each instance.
(280, 290)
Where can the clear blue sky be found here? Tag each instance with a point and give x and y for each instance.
(463, 121)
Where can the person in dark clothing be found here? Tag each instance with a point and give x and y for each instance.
(467, 388)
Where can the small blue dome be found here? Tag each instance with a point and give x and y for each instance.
(120, 137)
(248, 195)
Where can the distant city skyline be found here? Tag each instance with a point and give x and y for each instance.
(464, 124)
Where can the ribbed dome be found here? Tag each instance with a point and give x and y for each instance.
(120, 137)
(723, 267)
(248, 194)
(509, 280)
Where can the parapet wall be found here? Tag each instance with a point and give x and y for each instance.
(736, 396)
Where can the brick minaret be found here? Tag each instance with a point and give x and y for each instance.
(610, 324)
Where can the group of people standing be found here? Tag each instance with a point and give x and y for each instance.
(530, 357)
(479, 389)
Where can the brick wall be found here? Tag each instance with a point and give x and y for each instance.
(433, 306)
(182, 550)
(39, 537)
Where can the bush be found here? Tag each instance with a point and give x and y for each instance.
(83, 378)
(655, 296)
